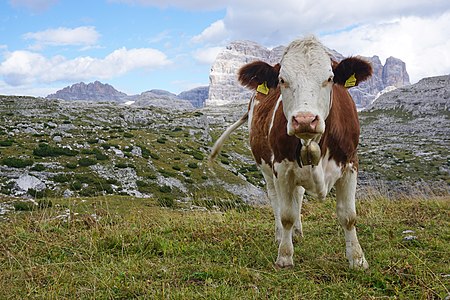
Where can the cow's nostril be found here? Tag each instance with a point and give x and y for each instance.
(315, 122)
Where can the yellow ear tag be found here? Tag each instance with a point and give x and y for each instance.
(262, 88)
(351, 81)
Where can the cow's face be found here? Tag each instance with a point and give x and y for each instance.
(305, 76)
(306, 79)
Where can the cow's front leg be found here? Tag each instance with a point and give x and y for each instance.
(272, 195)
(346, 213)
(289, 215)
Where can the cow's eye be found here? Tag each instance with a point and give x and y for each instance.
(283, 82)
(330, 79)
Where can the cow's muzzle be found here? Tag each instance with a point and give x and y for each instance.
(305, 125)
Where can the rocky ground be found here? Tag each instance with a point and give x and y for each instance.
(56, 148)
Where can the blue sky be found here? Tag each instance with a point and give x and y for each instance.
(138, 45)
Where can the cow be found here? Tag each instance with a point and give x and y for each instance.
(303, 133)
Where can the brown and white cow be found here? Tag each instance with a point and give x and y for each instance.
(304, 134)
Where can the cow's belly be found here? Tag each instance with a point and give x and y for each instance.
(317, 181)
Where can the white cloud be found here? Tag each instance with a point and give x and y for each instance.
(207, 55)
(216, 32)
(25, 67)
(415, 31)
(62, 36)
(422, 43)
(34, 5)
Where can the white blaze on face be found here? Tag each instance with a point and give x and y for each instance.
(306, 82)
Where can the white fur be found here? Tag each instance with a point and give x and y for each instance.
(305, 70)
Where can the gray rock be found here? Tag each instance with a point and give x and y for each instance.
(25, 182)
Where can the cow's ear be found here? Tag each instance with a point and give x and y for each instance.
(351, 71)
(256, 73)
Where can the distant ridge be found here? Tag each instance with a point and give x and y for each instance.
(95, 91)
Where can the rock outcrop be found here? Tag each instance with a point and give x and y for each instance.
(95, 91)
(429, 96)
(161, 98)
(225, 89)
(196, 96)
(394, 73)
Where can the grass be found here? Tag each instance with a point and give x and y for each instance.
(125, 248)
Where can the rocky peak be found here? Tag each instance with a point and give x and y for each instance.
(196, 96)
(394, 73)
(94, 91)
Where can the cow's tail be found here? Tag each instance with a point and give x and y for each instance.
(219, 143)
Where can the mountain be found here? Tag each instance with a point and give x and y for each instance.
(428, 96)
(161, 98)
(98, 91)
(196, 96)
(95, 91)
(224, 88)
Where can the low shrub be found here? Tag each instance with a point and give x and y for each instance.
(165, 189)
(6, 143)
(71, 165)
(197, 156)
(45, 150)
(38, 167)
(192, 165)
(86, 162)
(61, 178)
(14, 162)
(76, 185)
(24, 206)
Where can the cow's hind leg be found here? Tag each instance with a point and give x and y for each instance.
(298, 228)
(346, 213)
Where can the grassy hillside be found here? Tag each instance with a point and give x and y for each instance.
(114, 247)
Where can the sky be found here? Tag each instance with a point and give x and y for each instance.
(139, 45)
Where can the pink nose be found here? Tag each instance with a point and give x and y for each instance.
(305, 122)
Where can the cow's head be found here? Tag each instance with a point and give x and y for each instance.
(305, 76)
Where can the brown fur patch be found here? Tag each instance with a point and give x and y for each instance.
(341, 134)
(282, 145)
(262, 117)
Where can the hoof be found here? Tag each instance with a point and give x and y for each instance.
(360, 264)
(284, 263)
